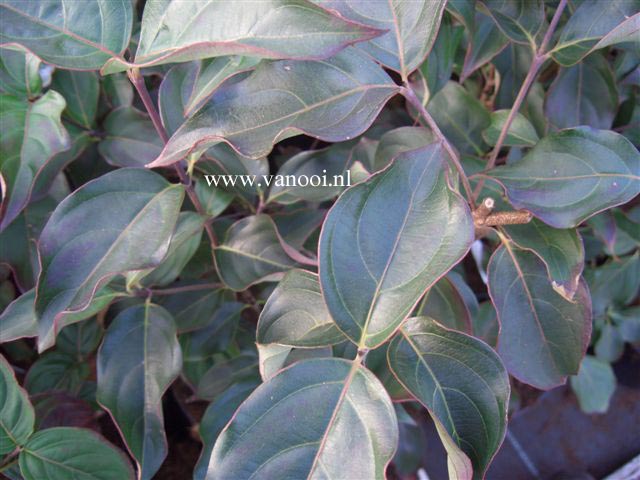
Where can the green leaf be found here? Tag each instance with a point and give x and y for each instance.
(588, 25)
(333, 100)
(407, 207)
(17, 417)
(296, 227)
(81, 91)
(138, 360)
(411, 29)
(461, 117)
(56, 371)
(594, 385)
(584, 94)
(513, 64)
(215, 417)
(543, 337)
(195, 309)
(183, 246)
(520, 20)
(62, 453)
(24, 155)
(463, 384)
(214, 200)
(485, 323)
(486, 42)
(119, 222)
(295, 314)
(561, 250)
(117, 90)
(273, 357)
(626, 31)
(573, 174)
(520, 134)
(445, 304)
(437, 68)
(412, 443)
(18, 320)
(79, 35)
(80, 339)
(175, 31)
(345, 426)
(130, 140)
(251, 252)
(209, 74)
(615, 283)
(19, 73)
(328, 168)
(610, 344)
(201, 348)
(399, 140)
(225, 373)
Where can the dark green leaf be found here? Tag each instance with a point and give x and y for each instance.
(584, 94)
(589, 23)
(19, 74)
(543, 336)
(520, 134)
(81, 91)
(18, 320)
(56, 371)
(411, 29)
(273, 357)
(445, 304)
(79, 253)
(520, 20)
(183, 246)
(411, 445)
(486, 42)
(215, 417)
(23, 156)
(345, 426)
(485, 323)
(174, 31)
(407, 207)
(561, 250)
(594, 385)
(461, 117)
(333, 100)
(214, 200)
(138, 360)
(463, 384)
(118, 91)
(251, 252)
(437, 68)
(62, 453)
(76, 35)
(573, 174)
(398, 140)
(327, 168)
(225, 373)
(131, 140)
(296, 316)
(80, 339)
(16, 413)
(615, 283)
(195, 309)
(610, 344)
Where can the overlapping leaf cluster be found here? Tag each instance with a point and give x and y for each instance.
(301, 314)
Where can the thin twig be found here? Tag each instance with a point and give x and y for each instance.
(539, 57)
(138, 82)
(412, 98)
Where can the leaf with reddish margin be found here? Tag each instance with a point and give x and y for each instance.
(543, 336)
(370, 272)
(178, 31)
(333, 100)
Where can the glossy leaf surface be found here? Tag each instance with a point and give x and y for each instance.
(23, 156)
(463, 384)
(17, 417)
(80, 35)
(542, 336)
(386, 219)
(329, 397)
(63, 452)
(78, 255)
(572, 175)
(333, 100)
(138, 360)
(295, 314)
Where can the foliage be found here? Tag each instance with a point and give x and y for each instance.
(300, 314)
